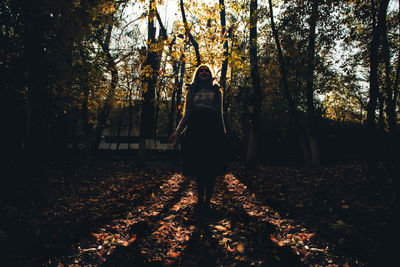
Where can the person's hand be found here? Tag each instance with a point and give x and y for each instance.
(173, 139)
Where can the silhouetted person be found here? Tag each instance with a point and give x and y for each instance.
(204, 141)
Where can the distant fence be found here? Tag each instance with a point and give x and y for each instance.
(132, 142)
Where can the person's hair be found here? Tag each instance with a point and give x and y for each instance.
(193, 86)
(195, 78)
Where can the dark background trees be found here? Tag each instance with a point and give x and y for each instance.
(305, 82)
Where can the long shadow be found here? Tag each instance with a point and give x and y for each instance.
(230, 237)
(96, 247)
(309, 247)
(339, 204)
(237, 232)
(202, 249)
(161, 239)
(244, 243)
(34, 236)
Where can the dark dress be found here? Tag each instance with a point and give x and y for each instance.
(204, 141)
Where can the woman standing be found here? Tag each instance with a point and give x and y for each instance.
(204, 142)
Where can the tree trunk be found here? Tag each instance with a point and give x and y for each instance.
(162, 37)
(84, 82)
(381, 116)
(104, 112)
(173, 98)
(289, 98)
(377, 29)
(311, 121)
(130, 115)
(85, 117)
(36, 136)
(156, 112)
(149, 83)
(189, 35)
(253, 144)
(171, 109)
(392, 113)
(393, 140)
(391, 93)
(224, 66)
(180, 88)
(388, 89)
(121, 124)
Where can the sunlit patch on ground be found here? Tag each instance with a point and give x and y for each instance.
(102, 243)
(233, 245)
(304, 243)
(172, 233)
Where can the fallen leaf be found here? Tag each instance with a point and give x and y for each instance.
(240, 248)
(220, 227)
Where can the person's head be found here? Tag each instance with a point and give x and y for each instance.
(203, 74)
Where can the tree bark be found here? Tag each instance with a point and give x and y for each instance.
(180, 88)
(175, 66)
(391, 89)
(293, 112)
(104, 112)
(224, 66)
(84, 83)
(149, 83)
(377, 29)
(252, 149)
(311, 121)
(189, 35)
(38, 95)
(162, 37)
(130, 114)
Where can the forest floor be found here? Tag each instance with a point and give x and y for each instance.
(113, 214)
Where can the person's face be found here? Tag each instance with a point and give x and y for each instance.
(204, 74)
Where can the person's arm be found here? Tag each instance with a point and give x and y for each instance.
(183, 122)
(187, 109)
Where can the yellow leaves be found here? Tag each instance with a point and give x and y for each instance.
(147, 72)
(153, 5)
(104, 8)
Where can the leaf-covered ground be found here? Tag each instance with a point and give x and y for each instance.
(112, 214)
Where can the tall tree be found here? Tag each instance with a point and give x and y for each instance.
(149, 83)
(293, 112)
(256, 94)
(378, 20)
(34, 21)
(224, 66)
(311, 121)
(104, 111)
(390, 93)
